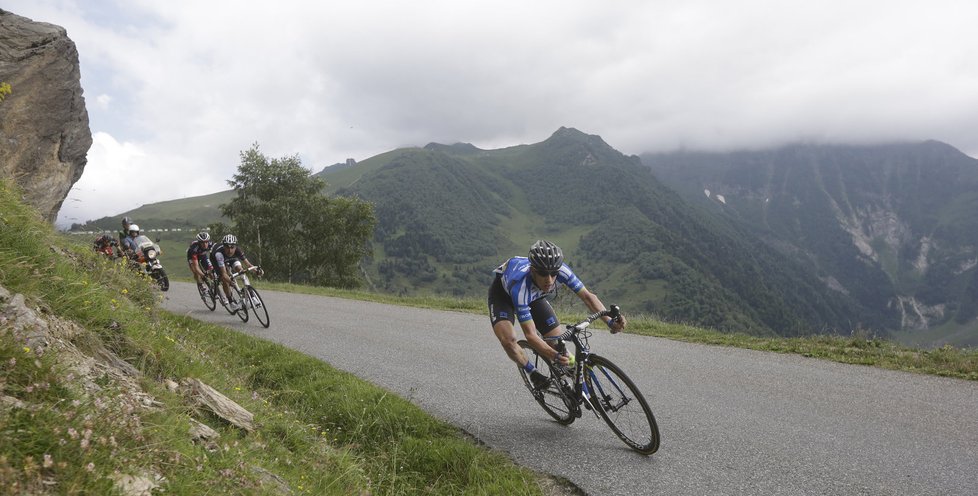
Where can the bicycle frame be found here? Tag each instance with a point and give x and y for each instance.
(582, 354)
(598, 384)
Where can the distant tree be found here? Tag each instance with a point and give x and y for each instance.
(218, 230)
(291, 228)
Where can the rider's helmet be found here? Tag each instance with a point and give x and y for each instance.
(230, 239)
(126, 221)
(545, 256)
(203, 236)
(133, 228)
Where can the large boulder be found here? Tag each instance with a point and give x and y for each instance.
(44, 134)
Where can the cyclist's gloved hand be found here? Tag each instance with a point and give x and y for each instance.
(260, 271)
(561, 359)
(617, 325)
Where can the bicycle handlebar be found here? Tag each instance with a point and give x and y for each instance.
(614, 312)
(249, 269)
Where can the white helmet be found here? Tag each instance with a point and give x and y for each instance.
(230, 239)
(133, 227)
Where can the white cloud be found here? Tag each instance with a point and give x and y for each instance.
(194, 83)
(103, 101)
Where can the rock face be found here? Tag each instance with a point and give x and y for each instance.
(44, 133)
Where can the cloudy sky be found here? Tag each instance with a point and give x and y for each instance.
(176, 89)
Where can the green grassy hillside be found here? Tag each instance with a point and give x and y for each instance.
(448, 214)
(89, 405)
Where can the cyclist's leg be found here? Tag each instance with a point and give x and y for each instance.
(545, 318)
(195, 270)
(224, 275)
(502, 317)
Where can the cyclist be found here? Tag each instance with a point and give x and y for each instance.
(519, 292)
(198, 257)
(225, 254)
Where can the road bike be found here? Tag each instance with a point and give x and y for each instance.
(593, 383)
(242, 293)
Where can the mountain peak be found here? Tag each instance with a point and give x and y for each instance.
(457, 148)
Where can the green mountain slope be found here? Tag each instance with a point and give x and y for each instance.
(891, 226)
(449, 214)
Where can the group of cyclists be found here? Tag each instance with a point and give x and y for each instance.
(206, 259)
(219, 260)
(518, 292)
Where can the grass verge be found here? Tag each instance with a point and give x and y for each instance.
(859, 348)
(319, 430)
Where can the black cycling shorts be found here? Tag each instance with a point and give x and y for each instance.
(501, 308)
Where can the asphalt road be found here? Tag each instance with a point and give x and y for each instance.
(732, 421)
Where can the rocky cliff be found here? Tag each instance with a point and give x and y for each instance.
(44, 134)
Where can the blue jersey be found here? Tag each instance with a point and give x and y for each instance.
(518, 282)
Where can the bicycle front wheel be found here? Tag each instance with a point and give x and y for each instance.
(257, 306)
(557, 398)
(207, 297)
(621, 405)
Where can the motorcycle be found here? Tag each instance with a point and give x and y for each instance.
(146, 258)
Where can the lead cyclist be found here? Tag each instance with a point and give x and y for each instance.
(519, 292)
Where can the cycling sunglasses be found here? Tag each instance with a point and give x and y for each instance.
(548, 273)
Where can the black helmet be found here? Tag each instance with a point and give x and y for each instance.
(545, 256)
(126, 221)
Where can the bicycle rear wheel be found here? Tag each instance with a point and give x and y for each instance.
(207, 297)
(621, 405)
(557, 398)
(257, 306)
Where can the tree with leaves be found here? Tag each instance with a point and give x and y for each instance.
(291, 228)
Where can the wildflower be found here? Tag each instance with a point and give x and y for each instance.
(73, 433)
(48, 461)
(84, 444)
(125, 291)
(27, 350)
(13, 361)
(90, 467)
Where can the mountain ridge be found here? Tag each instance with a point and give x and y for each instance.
(448, 214)
(890, 225)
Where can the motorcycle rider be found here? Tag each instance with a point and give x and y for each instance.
(126, 222)
(228, 253)
(128, 244)
(198, 257)
(105, 244)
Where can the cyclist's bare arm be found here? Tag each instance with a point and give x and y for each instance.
(536, 342)
(594, 304)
